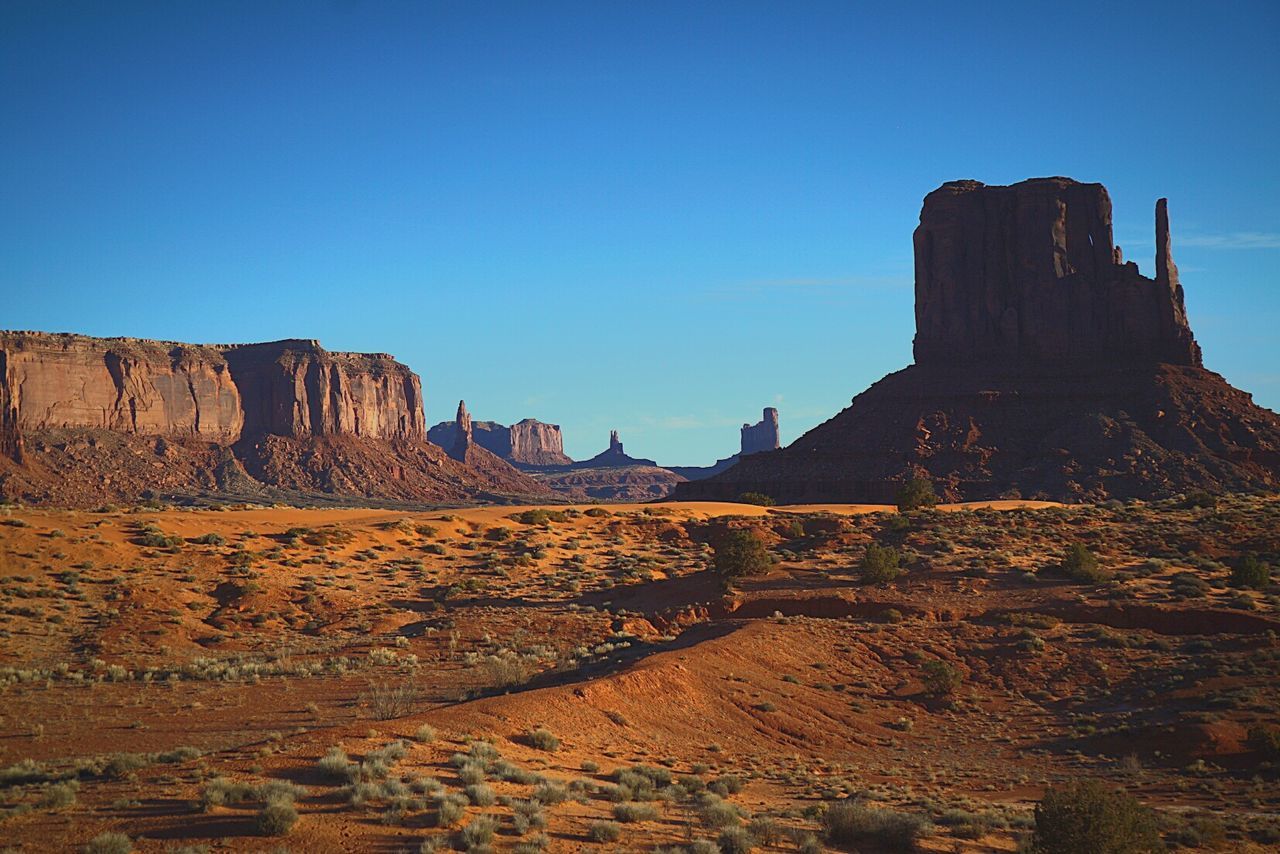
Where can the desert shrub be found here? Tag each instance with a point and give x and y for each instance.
(109, 843)
(1079, 564)
(60, 795)
(740, 552)
(879, 564)
(757, 498)
(526, 815)
(604, 831)
(220, 791)
(449, 810)
(210, 540)
(472, 772)
(849, 823)
(387, 701)
(478, 833)
(276, 818)
(630, 812)
(425, 734)
(480, 794)
(540, 516)
(596, 512)
(335, 765)
(1265, 740)
(1251, 572)
(1199, 498)
(719, 814)
(729, 784)
(735, 840)
(764, 830)
(940, 678)
(1087, 815)
(543, 739)
(498, 534)
(916, 493)
(550, 794)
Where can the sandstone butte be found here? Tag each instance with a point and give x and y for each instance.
(526, 443)
(86, 420)
(1046, 366)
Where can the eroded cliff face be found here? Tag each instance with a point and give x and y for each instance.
(86, 420)
(526, 443)
(297, 388)
(149, 388)
(1030, 273)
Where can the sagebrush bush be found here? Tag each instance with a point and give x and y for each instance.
(478, 833)
(543, 739)
(109, 843)
(632, 811)
(1087, 815)
(940, 678)
(735, 840)
(604, 831)
(277, 818)
(850, 823)
(1079, 564)
(1251, 572)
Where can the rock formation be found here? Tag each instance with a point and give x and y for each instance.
(762, 436)
(1029, 273)
(613, 457)
(90, 419)
(526, 444)
(463, 435)
(1045, 366)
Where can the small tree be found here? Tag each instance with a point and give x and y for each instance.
(758, 498)
(1087, 815)
(915, 494)
(740, 552)
(880, 564)
(1251, 572)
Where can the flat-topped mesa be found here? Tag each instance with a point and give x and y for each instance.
(762, 436)
(1030, 273)
(130, 385)
(297, 388)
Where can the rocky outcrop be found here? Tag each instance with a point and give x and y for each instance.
(1030, 273)
(296, 388)
(86, 420)
(463, 434)
(1046, 367)
(762, 436)
(613, 457)
(527, 443)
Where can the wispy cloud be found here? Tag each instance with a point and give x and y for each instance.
(1230, 240)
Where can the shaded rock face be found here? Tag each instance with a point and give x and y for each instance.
(762, 436)
(296, 388)
(1046, 367)
(1030, 272)
(463, 433)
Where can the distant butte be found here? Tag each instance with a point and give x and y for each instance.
(1046, 366)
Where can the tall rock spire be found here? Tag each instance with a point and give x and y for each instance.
(464, 438)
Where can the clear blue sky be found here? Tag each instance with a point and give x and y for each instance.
(645, 216)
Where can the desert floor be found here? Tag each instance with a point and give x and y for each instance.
(167, 672)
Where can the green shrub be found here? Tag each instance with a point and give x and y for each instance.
(449, 810)
(604, 831)
(1080, 565)
(276, 818)
(916, 493)
(60, 795)
(848, 823)
(1087, 815)
(940, 678)
(757, 498)
(425, 734)
(109, 843)
(740, 552)
(879, 564)
(1251, 572)
(480, 794)
(335, 765)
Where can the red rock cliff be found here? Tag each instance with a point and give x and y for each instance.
(1029, 272)
(121, 384)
